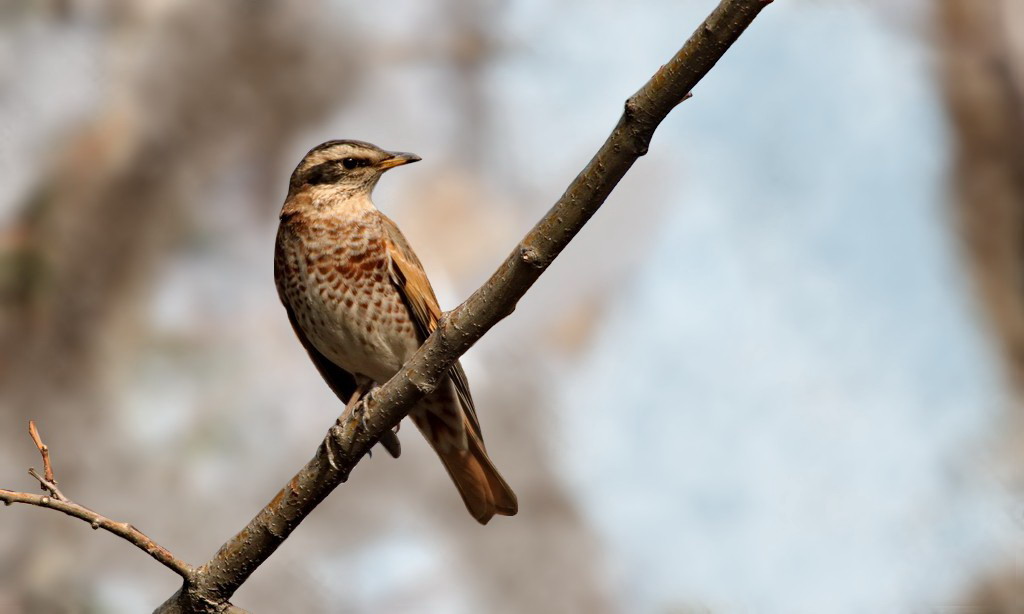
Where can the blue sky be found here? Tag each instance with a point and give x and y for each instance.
(788, 409)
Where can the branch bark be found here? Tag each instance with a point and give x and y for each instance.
(211, 585)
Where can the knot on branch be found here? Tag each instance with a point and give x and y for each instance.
(532, 257)
(631, 107)
(423, 385)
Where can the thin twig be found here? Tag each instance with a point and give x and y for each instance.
(57, 501)
(47, 481)
(47, 485)
(357, 430)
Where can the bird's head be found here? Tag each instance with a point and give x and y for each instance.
(350, 166)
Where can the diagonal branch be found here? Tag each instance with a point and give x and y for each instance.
(57, 501)
(355, 433)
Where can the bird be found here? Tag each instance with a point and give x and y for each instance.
(360, 304)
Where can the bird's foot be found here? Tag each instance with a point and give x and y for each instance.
(332, 447)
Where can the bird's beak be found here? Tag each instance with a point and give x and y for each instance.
(398, 158)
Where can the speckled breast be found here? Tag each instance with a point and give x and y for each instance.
(334, 276)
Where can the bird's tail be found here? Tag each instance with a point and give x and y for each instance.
(483, 490)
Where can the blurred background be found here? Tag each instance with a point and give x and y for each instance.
(781, 371)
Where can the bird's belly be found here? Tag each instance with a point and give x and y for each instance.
(363, 327)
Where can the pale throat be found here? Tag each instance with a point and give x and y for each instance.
(338, 201)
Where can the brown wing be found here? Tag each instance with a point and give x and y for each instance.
(411, 281)
(482, 488)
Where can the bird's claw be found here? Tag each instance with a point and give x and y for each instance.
(330, 443)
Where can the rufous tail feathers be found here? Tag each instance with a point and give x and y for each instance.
(483, 490)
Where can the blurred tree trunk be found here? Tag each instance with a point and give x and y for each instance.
(983, 72)
(117, 195)
(472, 46)
(982, 45)
(196, 90)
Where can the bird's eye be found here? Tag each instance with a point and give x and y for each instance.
(350, 163)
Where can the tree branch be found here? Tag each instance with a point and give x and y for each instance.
(355, 432)
(57, 501)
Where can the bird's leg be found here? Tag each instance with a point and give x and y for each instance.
(363, 389)
(362, 397)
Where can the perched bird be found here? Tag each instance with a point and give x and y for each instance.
(361, 304)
